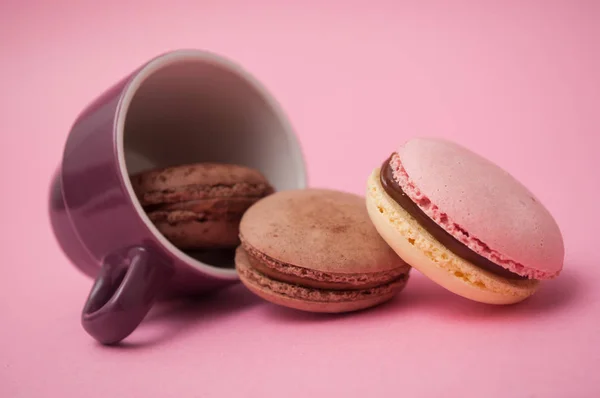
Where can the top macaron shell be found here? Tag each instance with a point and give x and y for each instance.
(317, 229)
(173, 183)
(482, 205)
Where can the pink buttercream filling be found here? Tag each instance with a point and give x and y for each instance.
(454, 229)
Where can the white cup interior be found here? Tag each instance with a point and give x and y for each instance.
(192, 106)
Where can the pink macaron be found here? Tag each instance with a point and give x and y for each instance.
(464, 222)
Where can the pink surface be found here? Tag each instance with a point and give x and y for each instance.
(481, 205)
(518, 83)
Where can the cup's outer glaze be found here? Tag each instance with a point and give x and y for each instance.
(95, 222)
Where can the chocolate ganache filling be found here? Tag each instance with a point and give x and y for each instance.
(393, 189)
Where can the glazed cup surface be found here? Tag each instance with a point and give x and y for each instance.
(181, 107)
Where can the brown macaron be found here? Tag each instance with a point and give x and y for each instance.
(316, 250)
(199, 206)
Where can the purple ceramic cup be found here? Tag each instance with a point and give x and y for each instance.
(181, 107)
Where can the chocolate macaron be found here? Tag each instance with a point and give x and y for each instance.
(199, 206)
(316, 250)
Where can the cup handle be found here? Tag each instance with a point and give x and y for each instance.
(123, 293)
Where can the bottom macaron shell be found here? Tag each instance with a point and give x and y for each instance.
(309, 299)
(419, 249)
(201, 234)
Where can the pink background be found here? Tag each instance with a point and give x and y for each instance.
(519, 83)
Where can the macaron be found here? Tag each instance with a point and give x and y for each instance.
(316, 250)
(464, 222)
(199, 206)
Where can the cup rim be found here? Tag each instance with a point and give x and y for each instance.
(129, 92)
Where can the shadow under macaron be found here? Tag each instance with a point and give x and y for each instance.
(422, 296)
(290, 315)
(552, 297)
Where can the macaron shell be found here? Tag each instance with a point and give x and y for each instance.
(486, 201)
(189, 235)
(305, 277)
(323, 230)
(217, 208)
(312, 300)
(419, 249)
(209, 174)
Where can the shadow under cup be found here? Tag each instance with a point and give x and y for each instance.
(182, 107)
